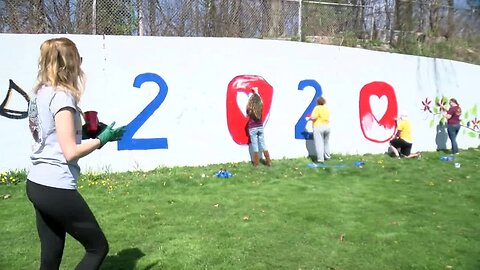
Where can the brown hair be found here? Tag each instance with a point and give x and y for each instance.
(321, 101)
(459, 110)
(255, 107)
(59, 67)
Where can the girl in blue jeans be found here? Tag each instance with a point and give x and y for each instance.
(255, 128)
(453, 123)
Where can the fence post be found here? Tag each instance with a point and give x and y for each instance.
(300, 20)
(94, 17)
(140, 18)
(373, 23)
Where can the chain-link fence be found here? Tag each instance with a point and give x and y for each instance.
(382, 20)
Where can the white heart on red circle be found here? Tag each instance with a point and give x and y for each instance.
(378, 106)
(242, 100)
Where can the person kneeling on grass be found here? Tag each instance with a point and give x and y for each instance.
(402, 143)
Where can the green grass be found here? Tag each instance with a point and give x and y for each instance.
(389, 214)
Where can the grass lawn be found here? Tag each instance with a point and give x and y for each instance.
(387, 214)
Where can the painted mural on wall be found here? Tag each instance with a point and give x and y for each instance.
(236, 116)
(185, 103)
(130, 143)
(7, 112)
(238, 91)
(433, 108)
(469, 121)
(376, 126)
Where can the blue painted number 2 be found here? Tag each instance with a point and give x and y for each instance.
(128, 142)
(300, 132)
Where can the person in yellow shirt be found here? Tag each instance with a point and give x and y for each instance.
(321, 130)
(401, 145)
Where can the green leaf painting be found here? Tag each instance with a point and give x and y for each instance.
(470, 121)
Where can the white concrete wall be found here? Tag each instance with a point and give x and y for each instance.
(191, 79)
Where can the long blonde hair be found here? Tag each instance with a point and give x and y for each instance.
(59, 67)
(255, 107)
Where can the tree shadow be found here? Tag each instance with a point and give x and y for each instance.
(123, 260)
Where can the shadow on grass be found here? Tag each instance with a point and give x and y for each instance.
(123, 260)
(445, 151)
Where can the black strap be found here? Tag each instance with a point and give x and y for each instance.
(14, 114)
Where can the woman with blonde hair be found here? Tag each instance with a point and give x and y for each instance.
(56, 126)
(255, 128)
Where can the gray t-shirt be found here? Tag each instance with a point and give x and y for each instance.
(49, 165)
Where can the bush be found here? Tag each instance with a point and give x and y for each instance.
(13, 177)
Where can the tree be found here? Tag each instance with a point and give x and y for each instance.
(276, 16)
(12, 15)
(403, 15)
(237, 28)
(37, 19)
(116, 17)
(152, 17)
(403, 24)
(210, 27)
(450, 19)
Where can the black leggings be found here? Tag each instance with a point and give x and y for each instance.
(61, 211)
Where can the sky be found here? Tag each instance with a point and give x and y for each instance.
(464, 4)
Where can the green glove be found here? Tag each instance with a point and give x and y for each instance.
(110, 134)
(89, 135)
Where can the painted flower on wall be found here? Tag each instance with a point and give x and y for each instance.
(475, 123)
(441, 103)
(472, 126)
(469, 119)
(426, 105)
(435, 110)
